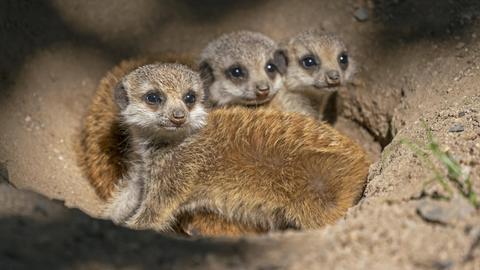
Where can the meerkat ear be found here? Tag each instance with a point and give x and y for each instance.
(281, 60)
(206, 73)
(120, 96)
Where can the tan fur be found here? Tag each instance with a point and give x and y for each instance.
(103, 141)
(104, 148)
(307, 91)
(262, 168)
(98, 153)
(211, 224)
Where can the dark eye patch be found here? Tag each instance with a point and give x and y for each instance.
(190, 98)
(309, 61)
(343, 60)
(271, 69)
(236, 72)
(153, 97)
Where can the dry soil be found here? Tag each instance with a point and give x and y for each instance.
(419, 66)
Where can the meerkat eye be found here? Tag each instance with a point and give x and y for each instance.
(153, 98)
(236, 72)
(309, 62)
(343, 60)
(270, 68)
(190, 98)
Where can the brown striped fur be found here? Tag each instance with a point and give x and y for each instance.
(104, 146)
(266, 169)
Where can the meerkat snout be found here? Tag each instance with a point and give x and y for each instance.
(178, 117)
(263, 89)
(162, 101)
(241, 68)
(332, 77)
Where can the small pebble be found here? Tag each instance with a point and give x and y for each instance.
(361, 14)
(444, 212)
(461, 114)
(470, 136)
(443, 265)
(456, 128)
(28, 118)
(460, 45)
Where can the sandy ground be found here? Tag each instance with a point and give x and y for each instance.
(419, 62)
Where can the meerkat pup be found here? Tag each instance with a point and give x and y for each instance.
(158, 103)
(104, 145)
(105, 151)
(265, 169)
(240, 68)
(317, 65)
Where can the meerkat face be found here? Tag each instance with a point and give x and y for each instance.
(162, 100)
(242, 68)
(317, 62)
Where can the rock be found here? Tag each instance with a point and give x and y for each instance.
(361, 14)
(460, 45)
(461, 114)
(443, 265)
(444, 212)
(456, 128)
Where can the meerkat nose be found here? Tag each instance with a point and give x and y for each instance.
(262, 90)
(333, 77)
(178, 117)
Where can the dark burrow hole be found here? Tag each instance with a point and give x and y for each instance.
(367, 135)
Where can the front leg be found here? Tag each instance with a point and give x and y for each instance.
(155, 212)
(166, 186)
(126, 198)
